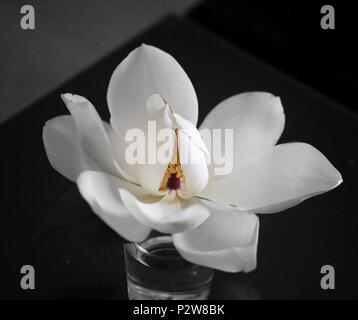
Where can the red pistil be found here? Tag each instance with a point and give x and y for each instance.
(173, 182)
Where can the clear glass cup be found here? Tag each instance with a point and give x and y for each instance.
(156, 271)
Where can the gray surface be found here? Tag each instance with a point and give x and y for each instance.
(69, 36)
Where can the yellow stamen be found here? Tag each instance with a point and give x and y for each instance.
(174, 168)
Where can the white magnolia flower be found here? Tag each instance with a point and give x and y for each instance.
(203, 211)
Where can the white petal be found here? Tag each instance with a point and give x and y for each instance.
(169, 215)
(155, 111)
(64, 149)
(144, 71)
(257, 120)
(101, 191)
(277, 179)
(192, 132)
(159, 119)
(156, 104)
(226, 241)
(194, 166)
(92, 133)
(118, 146)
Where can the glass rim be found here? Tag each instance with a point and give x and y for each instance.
(144, 251)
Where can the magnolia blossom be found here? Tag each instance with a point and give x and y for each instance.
(212, 218)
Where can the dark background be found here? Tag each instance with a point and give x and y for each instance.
(288, 35)
(226, 47)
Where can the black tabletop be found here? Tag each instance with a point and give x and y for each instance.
(45, 223)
